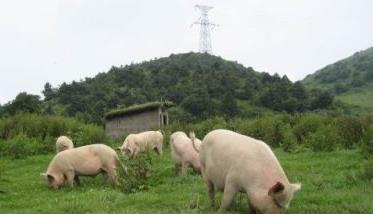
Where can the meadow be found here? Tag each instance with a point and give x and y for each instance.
(331, 183)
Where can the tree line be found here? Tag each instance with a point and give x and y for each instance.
(200, 85)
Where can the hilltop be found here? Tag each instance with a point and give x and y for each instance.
(201, 86)
(350, 79)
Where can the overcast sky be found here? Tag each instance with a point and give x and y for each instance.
(64, 40)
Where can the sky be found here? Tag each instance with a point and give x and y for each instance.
(60, 41)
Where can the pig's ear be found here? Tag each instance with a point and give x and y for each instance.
(296, 187)
(50, 178)
(276, 189)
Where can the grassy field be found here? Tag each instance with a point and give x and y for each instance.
(330, 184)
(362, 97)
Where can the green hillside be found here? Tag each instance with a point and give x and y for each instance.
(200, 86)
(350, 79)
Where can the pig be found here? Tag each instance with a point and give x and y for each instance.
(232, 162)
(136, 143)
(89, 160)
(183, 153)
(63, 143)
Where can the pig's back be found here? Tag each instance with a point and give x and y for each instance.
(230, 152)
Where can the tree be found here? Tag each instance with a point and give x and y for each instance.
(229, 105)
(198, 104)
(24, 103)
(320, 99)
(48, 91)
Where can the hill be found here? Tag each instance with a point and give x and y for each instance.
(201, 86)
(350, 79)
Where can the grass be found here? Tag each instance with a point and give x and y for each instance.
(330, 184)
(137, 108)
(362, 97)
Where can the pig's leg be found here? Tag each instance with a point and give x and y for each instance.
(77, 181)
(112, 174)
(105, 176)
(184, 168)
(70, 175)
(177, 168)
(159, 149)
(251, 210)
(229, 193)
(135, 152)
(211, 192)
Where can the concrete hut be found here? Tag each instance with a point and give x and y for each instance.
(137, 118)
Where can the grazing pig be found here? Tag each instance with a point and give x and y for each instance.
(89, 160)
(63, 143)
(135, 143)
(183, 153)
(233, 162)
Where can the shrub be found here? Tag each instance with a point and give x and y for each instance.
(367, 143)
(324, 139)
(268, 129)
(351, 131)
(289, 143)
(306, 125)
(201, 129)
(28, 134)
(21, 146)
(137, 171)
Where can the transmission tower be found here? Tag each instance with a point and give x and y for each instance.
(205, 30)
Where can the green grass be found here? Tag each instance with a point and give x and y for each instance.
(362, 97)
(330, 184)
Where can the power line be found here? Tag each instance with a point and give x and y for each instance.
(205, 29)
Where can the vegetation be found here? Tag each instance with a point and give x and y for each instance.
(137, 108)
(30, 134)
(200, 85)
(330, 184)
(330, 152)
(134, 176)
(350, 79)
(293, 132)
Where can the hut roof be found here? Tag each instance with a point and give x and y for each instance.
(137, 109)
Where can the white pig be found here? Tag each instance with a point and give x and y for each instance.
(89, 160)
(136, 143)
(183, 153)
(63, 143)
(233, 162)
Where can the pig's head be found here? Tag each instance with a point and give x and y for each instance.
(53, 180)
(126, 149)
(280, 197)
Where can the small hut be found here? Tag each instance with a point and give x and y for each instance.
(137, 118)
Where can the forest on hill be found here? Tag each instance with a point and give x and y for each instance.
(350, 80)
(344, 75)
(201, 86)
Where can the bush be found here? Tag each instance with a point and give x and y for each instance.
(28, 134)
(324, 139)
(289, 143)
(137, 171)
(367, 143)
(270, 129)
(351, 131)
(21, 146)
(306, 125)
